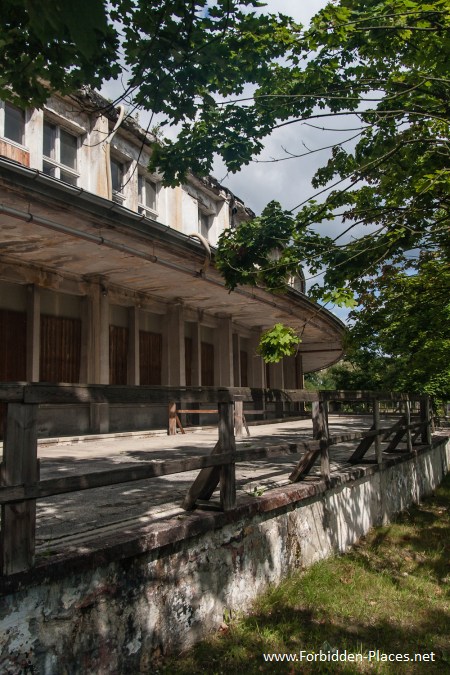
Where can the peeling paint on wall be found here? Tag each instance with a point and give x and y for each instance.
(117, 618)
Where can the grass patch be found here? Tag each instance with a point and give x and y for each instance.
(391, 592)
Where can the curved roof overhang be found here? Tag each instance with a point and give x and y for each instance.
(66, 231)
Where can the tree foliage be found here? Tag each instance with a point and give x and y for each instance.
(54, 45)
(278, 342)
(400, 338)
(401, 334)
(229, 74)
(383, 64)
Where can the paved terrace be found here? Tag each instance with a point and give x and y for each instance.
(66, 522)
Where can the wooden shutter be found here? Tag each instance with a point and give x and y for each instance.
(268, 375)
(188, 360)
(13, 341)
(60, 353)
(118, 355)
(244, 368)
(207, 364)
(150, 357)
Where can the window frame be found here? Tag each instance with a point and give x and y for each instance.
(55, 162)
(118, 197)
(143, 208)
(202, 213)
(3, 108)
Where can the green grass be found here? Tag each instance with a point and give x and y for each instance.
(391, 592)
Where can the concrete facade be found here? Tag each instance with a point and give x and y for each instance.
(118, 609)
(103, 267)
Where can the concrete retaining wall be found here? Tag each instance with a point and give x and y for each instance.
(113, 610)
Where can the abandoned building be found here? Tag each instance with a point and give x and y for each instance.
(107, 276)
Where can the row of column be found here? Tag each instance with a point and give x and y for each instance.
(95, 319)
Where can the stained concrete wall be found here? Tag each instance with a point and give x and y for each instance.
(113, 611)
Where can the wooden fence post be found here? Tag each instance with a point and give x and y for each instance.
(172, 426)
(321, 433)
(409, 444)
(20, 467)
(376, 426)
(227, 444)
(425, 410)
(238, 418)
(320, 420)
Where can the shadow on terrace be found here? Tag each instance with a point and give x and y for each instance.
(274, 455)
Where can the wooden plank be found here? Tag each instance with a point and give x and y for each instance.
(361, 395)
(320, 420)
(397, 437)
(306, 463)
(98, 479)
(20, 466)
(325, 470)
(81, 393)
(409, 444)
(227, 444)
(142, 471)
(199, 410)
(205, 483)
(363, 447)
(244, 421)
(172, 413)
(394, 428)
(292, 395)
(377, 427)
(425, 415)
(180, 426)
(12, 391)
(238, 418)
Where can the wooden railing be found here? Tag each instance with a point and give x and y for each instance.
(21, 485)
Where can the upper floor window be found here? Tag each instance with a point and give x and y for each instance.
(12, 123)
(60, 151)
(117, 182)
(148, 192)
(204, 223)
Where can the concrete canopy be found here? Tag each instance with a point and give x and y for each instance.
(62, 236)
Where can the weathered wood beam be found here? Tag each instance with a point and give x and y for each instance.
(227, 444)
(19, 466)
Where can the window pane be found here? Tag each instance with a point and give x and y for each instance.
(49, 169)
(68, 177)
(203, 222)
(14, 123)
(150, 194)
(68, 145)
(49, 140)
(116, 175)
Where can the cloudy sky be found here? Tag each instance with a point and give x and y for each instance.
(288, 182)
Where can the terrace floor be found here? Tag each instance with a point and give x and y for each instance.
(84, 517)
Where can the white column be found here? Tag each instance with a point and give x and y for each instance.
(223, 353)
(236, 360)
(257, 368)
(176, 363)
(33, 332)
(196, 354)
(98, 334)
(133, 376)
